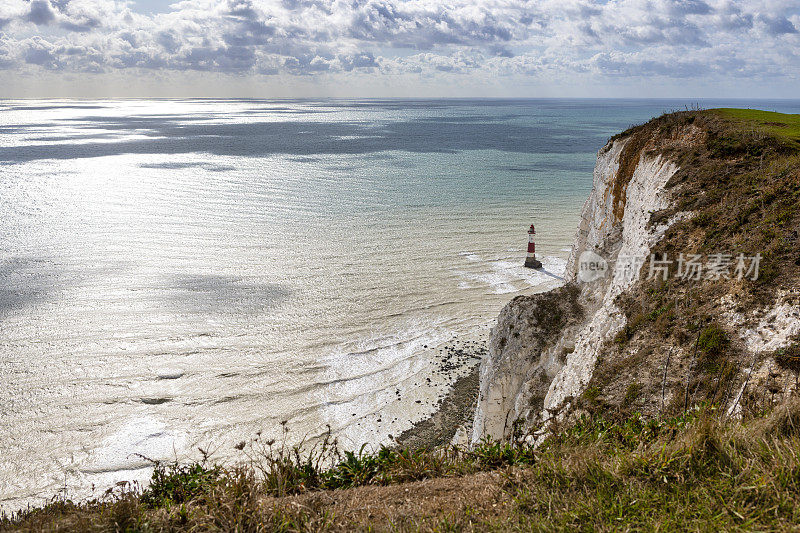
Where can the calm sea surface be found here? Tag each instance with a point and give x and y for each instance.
(178, 274)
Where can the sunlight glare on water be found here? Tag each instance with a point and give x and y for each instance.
(177, 274)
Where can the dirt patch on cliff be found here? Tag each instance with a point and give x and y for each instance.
(665, 136)
(628, 161)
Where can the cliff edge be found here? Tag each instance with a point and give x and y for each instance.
(682, 283)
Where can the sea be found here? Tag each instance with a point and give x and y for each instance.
(180, 276)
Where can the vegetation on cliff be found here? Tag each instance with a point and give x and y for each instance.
(739, 182)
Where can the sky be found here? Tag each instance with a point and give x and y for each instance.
(401, 48)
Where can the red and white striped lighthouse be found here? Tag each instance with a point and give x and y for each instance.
(530, 260)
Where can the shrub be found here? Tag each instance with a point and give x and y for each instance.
(713, 340)
(179, 483)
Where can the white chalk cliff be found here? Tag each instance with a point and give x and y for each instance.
(544, 349)
(531, 388)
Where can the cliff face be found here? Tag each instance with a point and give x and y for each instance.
(548, 349)
(526, 353)
(545, 364)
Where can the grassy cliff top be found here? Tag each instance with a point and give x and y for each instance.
(780, 125)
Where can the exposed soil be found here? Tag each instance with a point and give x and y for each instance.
(479, 498)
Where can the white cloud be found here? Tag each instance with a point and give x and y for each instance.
(675, 39)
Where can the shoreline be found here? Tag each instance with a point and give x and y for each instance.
(455, 410)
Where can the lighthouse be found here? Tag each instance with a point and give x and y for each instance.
(530, 260)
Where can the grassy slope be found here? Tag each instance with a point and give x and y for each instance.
(688, 472)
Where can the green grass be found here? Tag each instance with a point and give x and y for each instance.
(696, 473)
(177, 484)
(780, 125)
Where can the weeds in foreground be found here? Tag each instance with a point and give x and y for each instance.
(696, 471)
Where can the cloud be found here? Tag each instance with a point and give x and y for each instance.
(40, 13)
(777, 25)
(689, 7)
(40, 52)
(675, 39)
(631, 65)
(6, 59)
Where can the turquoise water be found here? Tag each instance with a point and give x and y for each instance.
(179, 274)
